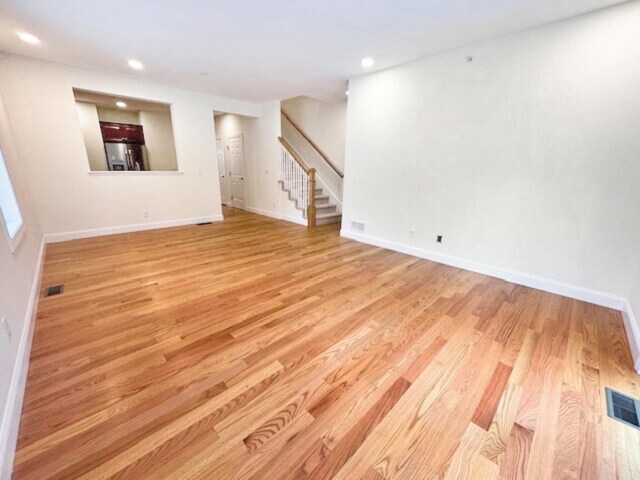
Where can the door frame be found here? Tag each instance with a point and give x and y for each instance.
(225, 191)
(228, 168)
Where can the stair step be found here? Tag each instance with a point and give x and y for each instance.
(328, 218)
(322, 209)
(322, 199)
(318, 190)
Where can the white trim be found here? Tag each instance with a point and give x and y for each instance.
(15, 239)
(277, 216)
(98, 232)
(545, 284)
(13, 408)
(133, 173)
(632, 327)
(14, 242)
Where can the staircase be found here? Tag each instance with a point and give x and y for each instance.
(326, 212)
(298, 175)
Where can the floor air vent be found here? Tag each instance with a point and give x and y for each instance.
(622, 408)
(55, 290)
(203, 223)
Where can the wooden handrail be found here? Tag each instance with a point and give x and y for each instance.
(311, 179)
(289, 148)
(313, 144)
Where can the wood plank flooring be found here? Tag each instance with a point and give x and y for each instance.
(258, 349)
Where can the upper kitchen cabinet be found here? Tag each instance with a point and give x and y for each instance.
(122, 132)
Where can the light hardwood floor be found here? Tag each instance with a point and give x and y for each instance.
(254, 348)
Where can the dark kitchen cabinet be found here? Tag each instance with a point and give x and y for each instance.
(122, 133)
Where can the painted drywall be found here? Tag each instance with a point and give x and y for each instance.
(158, 138)
(525, 159)
(92, 136)
(39, 100)
(118, 116)
(325, 123)
(18, 272)
(634, 297)
(632, 321)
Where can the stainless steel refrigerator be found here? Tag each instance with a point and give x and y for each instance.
(126, 156)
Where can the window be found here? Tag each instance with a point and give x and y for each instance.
(9, 209)
(126, 134)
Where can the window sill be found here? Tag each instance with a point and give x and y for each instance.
(14, 242)
(129, 173)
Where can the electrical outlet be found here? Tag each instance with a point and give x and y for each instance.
(7, 328)
(412, 234)
(145, 213)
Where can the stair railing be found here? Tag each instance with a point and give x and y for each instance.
(298, 179)
(312, 143)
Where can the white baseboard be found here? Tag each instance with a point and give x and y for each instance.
(277, 216)
(539, 283)
(98, 232)
(13, 408)
(632, 327)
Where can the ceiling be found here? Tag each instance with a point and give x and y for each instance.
(109, 101)
(263, 50)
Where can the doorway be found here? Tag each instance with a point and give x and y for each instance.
(231, 170)
(233, 132)
(234, 151)
(225, 191)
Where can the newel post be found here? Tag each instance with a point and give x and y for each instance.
(311, 208)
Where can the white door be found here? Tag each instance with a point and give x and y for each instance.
(222, 171)
(235, 162)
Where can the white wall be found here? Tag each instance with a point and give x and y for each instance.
(158, 137)
(634, 297)
(118, 116)
(526, 159)
(632, 320)
(325, 123)
(90, 126)
(18, 271)
(40, 103)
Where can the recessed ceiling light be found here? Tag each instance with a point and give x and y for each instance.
(367, 62)
(121, 104)
(136, 65)
(28, 38)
